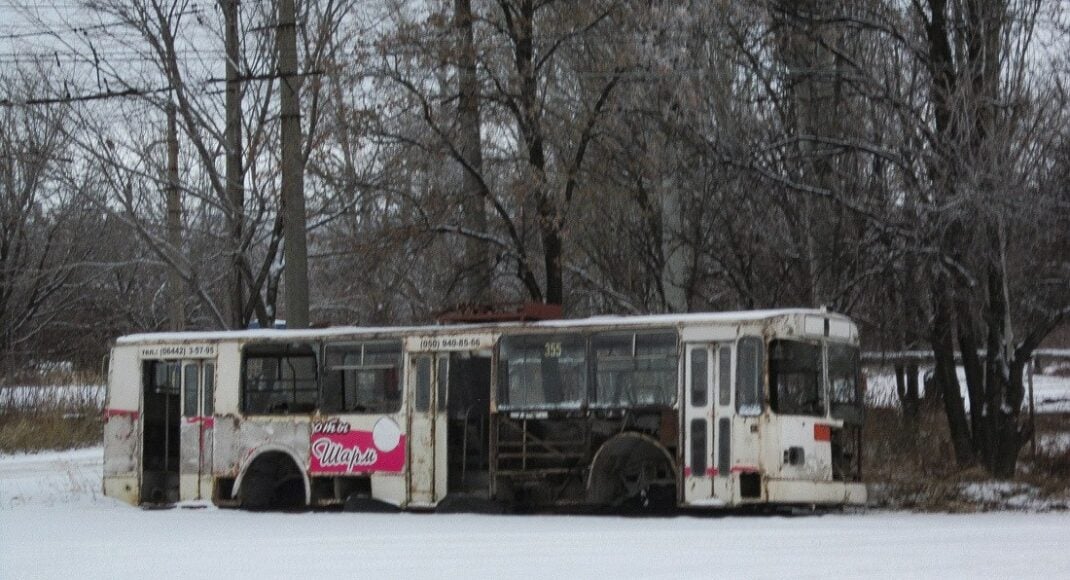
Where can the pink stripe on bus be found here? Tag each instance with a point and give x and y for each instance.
(120, 413)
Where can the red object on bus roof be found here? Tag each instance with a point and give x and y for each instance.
(525, 312)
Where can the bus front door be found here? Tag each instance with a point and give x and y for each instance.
(195, 467)
(707, 424)
(428, 384)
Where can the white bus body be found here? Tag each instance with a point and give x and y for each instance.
(698, 410)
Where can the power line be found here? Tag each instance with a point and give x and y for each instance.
(135, 92)
(80, 98)
(83, 30)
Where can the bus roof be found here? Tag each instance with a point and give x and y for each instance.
(594, 321)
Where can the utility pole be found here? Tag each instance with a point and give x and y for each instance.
(473, 206)
(295, 250)
(235, 189)
(177, 307)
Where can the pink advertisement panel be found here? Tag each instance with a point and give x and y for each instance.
(339, 449)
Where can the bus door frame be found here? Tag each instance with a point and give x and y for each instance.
(427, 426)
(197, 427)
(697, 476)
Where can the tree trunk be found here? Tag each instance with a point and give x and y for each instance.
(944, 373)
(971, 363)
(549, 220)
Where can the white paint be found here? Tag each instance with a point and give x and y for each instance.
(386, 434)
(449, 342)
(708, 333)
(839, 328)
(814, 326)
(182, 350)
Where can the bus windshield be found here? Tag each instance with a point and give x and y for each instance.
(795, 378)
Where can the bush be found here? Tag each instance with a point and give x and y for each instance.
(36, 418)
(910, 463)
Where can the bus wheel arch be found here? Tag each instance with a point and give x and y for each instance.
(627, 467)
(269, 480)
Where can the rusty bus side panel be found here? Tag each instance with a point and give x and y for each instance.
(239, 442)
(122, 426)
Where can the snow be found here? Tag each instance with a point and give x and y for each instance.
(653, 319)
(58, 396)
(55, 524)
(1009, 494)
(50, 479)
(1050, 392)
(1055, 442)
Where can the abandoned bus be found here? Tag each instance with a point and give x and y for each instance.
(692, 410)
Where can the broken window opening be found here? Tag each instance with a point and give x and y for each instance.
(634, 369)
(845, 382)
(362, 378)
(280, 379)
(543, 372)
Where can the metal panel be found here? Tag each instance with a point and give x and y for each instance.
(449, 342)
(120, 443)
(814, 325)
(839, 328)
(228, 379)
(421, 431)
(124, 379)
(709, 333)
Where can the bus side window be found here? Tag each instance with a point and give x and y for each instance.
(724, 379)
(749, 376)
(190, 394)
(698, 377)
(280, 379)
(362, 378)
(209, 389)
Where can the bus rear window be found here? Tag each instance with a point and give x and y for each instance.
(634, 369)
(279, 379)
(362, 378)
(796, 386)
(543, 372)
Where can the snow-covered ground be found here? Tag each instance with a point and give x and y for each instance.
(1051, 393)
(55, 524)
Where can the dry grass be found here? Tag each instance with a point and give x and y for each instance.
(911, 465)
(36, 418)
(1048, 466)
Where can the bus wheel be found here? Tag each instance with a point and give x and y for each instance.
(272, 482)
(632, 470)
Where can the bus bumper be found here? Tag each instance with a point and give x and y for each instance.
(815, 492)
